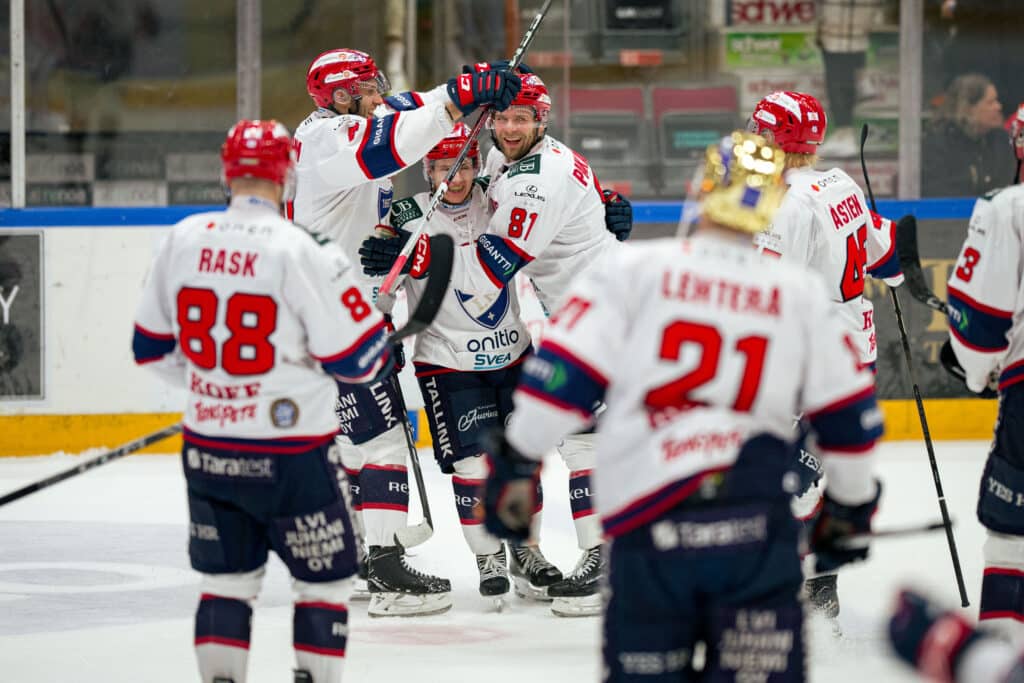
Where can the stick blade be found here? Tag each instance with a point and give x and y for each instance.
(910, 264)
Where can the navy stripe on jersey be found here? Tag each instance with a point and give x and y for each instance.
(851, 425)
(223, 621)
(320, 628)
(356, 362)
(284, 446)
(889, 264)
(557, 377)
(653, 505)
(1001, 594)
(500, 258)
(975, 325)
(377, 155)
(1012, 374)
(150, 346)
(404, 101)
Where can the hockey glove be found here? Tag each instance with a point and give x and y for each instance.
(618, 215)
(949, 361)
(928, 638)
(510, 491)
(836, 522)
(378, 253)
(494, 87)
(500, 65)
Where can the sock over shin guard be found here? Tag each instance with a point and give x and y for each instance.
(222, 637)
(320, 635)
(467, 482)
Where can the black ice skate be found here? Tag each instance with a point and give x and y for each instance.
(222, 679)
(398, 590)
(531, 572)
(494, 576)
(303, 676)
(822, 594)
(579, 594)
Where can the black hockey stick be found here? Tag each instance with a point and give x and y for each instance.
(440, 272)
(442, 253)
(905, 341)
(910, 264)
(388, 286)
(858, 540)
(120, 451)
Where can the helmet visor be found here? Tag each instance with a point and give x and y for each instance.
(378, 85)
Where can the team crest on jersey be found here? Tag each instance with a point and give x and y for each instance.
(384, 198)
(284, 413)
(486, 310)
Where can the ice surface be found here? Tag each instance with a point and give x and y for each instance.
(95, 584)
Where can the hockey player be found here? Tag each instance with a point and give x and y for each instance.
(945, 648)
(824, 222)
(256, 319)
(346, 157)
(549, 222)
(702, 351)
(468, 363)
(986, 332)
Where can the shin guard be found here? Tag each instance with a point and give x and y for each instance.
(222, 633)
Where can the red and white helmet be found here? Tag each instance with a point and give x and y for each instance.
(1015, 126)
(258, 149)
(344, 69)
(796, 120)
(449, 148)
(534, 94)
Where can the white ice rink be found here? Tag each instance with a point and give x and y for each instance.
(95, 585)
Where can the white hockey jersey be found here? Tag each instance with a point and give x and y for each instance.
(695, 346)
(474, 329)
(824, 223)
(986, 291)
(344, 165)
(256, 320)
(548, 222)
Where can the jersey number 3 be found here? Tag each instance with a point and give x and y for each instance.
(852, 285)
(676, 395)
(250, 319)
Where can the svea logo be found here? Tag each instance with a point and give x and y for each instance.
(489, 316)
(384, 198)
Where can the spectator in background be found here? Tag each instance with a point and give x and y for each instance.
(964, 150)
(843, 28)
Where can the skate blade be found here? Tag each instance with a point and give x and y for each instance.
(499, 603)
(407, 605)
(527, 591)
(587, 606)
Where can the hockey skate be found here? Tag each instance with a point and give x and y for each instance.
(361, 590)
(398, 590)
(531, 572)
(303, 676)
(494, 576)
(579, 594)
(823, 596)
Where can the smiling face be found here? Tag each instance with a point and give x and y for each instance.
(516, 131)
(987, 113)
(461, 184)
(370, 97)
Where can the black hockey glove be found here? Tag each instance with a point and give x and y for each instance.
(378, 252)
(500, 65)
(927, 637)
(836, 523)
(510, 491)
(618, 215)
(949, 361)
(494, 87)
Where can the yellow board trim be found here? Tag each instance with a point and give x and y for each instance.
(20, 435)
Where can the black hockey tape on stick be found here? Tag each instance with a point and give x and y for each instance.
(120, 451)
(391, 279)
(910, 264)
(905, 342)
(858, 540)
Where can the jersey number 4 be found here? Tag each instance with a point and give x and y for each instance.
(250, 319)
(677, 394)
(852, 285)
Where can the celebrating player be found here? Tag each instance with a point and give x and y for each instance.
(702, 351)
(346, 157)
(986, 332)
(256, 320)
(824, 222)
(550, 221)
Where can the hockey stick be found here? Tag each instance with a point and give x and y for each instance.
(910, 264)
(120, 451)
(918, 400)
(857, 540)
(442, 254)
(403, 256)
(437, 285)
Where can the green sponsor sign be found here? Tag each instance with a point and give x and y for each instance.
(744, 50)
(530, 164)
(404, 210)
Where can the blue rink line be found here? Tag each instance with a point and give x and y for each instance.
(643, 212)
